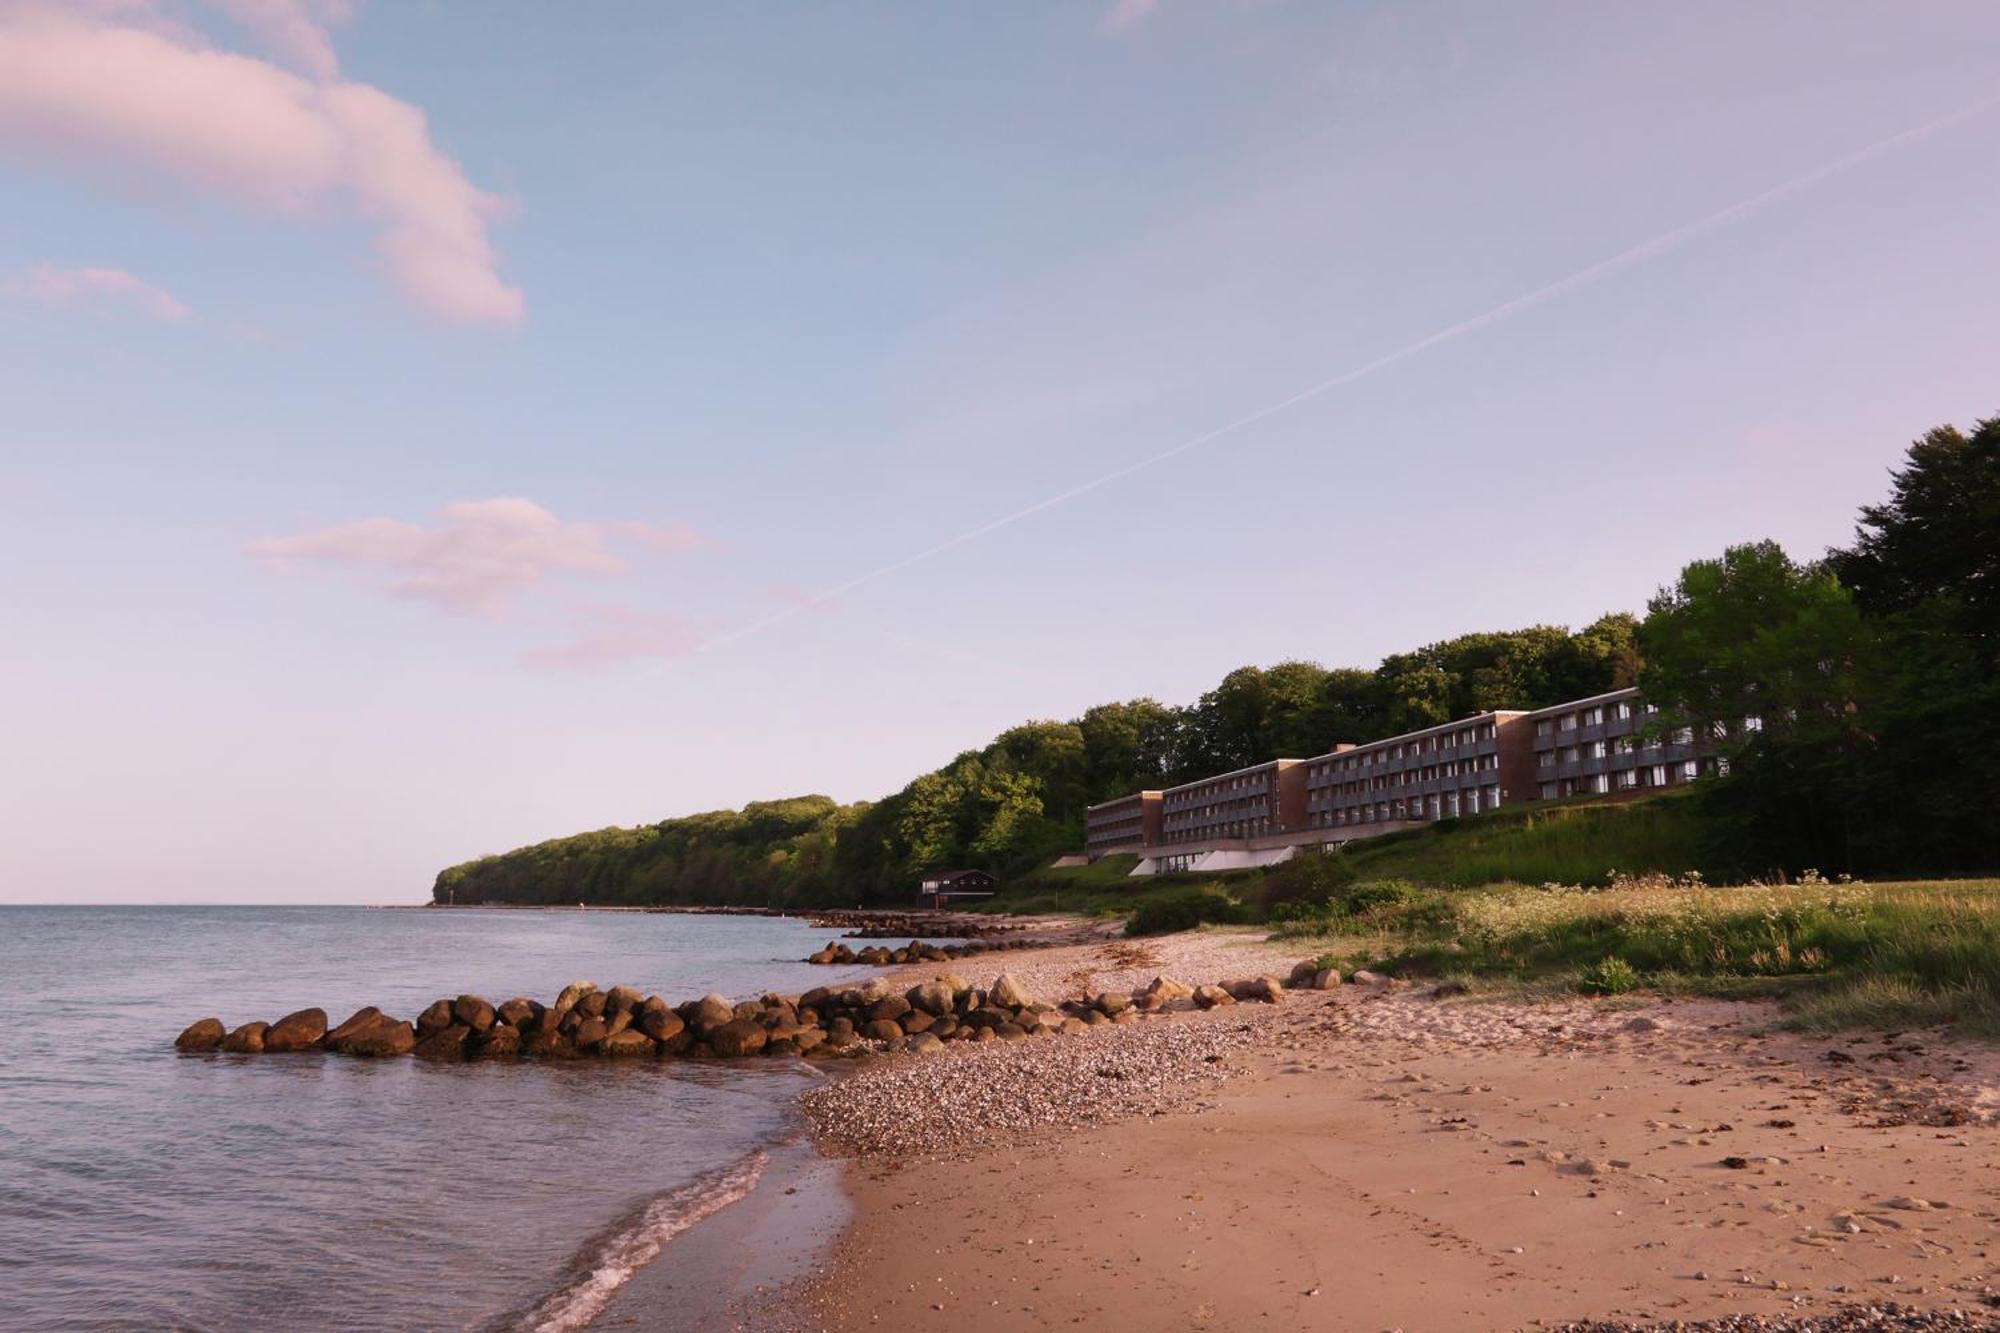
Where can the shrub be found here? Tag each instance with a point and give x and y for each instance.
(1184, 912)
(1609, 976)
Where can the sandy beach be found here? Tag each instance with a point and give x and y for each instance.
(1380, 1157)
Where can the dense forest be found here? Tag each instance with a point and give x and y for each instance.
(1872, 670)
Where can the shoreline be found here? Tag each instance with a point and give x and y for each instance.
(1378, 1158)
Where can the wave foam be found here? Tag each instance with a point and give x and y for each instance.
(610, 1261)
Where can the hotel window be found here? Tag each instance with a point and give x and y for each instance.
(1597, 749)
(1568, 722)
(1544, 727)
(1492, 798)
(1548, 790)
(1593, 716)
(1624, 709)
(1689, 770)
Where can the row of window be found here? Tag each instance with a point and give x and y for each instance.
(1368, 757)
(1594, 716)
(1443, 805)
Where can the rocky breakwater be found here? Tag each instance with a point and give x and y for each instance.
(916, 951)
(621, 1023)
(877, 924)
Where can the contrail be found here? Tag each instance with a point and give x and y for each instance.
(1642, 253)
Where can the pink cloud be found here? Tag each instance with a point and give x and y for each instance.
(116, 89)
(60, 287)
(293, 30)
(478, 558)
(619, 634)
(1126, 14)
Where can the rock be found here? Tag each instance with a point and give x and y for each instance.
(444, 1044)
(359, 1021)
(807, 1040)
(547, 1044)
(882, 1029)
(739, 1036)
(943, 1028)
(1008, 992)
(246, 1040)
(661, 1024)
(932, 997)
(711, 1011)
(1211, 997)
(916, 1021)
(573, 992)
(1166, 988)
(1327, 978)
(473, 1012)
(435, 1018)
(590, 1032)
(299, 1031)
(922, 1043)
(617, 1021)
(1010, 1032)
(620, 998)
(1112, 1002)
(204, 1034)
(628, 1043)
(1641, 1024)
(889, 1006)
(1366, 978)
(380, 1040)
(593, 1005)
(499, 1042)
(1268, 989)
(1302, 975)
(519, 1012)
(954, 982)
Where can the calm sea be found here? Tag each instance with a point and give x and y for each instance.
(141, 1188)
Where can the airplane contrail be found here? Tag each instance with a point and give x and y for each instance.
(1641, 253)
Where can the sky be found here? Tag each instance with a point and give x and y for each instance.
(434, 427)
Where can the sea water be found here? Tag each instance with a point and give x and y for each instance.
(145, 1188)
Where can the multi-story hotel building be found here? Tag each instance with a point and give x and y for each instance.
(1129, 821)
(1600, 745)
(1255, 802)
(1459, 768)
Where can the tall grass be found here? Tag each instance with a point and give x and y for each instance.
(1879, 954)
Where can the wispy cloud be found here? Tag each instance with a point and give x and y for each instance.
(97, 288)
(611, 634)
(114, 87)
(478, 558)
(1125, 14)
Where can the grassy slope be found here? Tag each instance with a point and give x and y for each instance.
(1561, 843)
(1895, 955)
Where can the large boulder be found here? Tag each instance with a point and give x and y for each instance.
(204, 1034)
(573, 992)
(889, 1006)
(445, 1044)
(361, 1019)
(932, 997)
(594, 1005)
(1212, 997)
(435, 1018)
(1302, 975)
(807, 1040)
(499, 1042)
(473, 1012)
(1008, 992)
(1364, 977)
(299, 1031)
(661, 1024)
(547, 1044)
(1268, 989)
(519, 1012)
(1112, 1002)
(922, 1043)
(1327, 978)
(626, 1044)
(246, 1040)
(620, 998)
(711, 1011)
(590, 1032)
(738, 1036)
(882, 1029)
(1166, 988)
(380, 1040)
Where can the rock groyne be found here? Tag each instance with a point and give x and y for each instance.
(622, 1023)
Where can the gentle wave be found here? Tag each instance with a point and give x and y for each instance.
(610, 1260)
